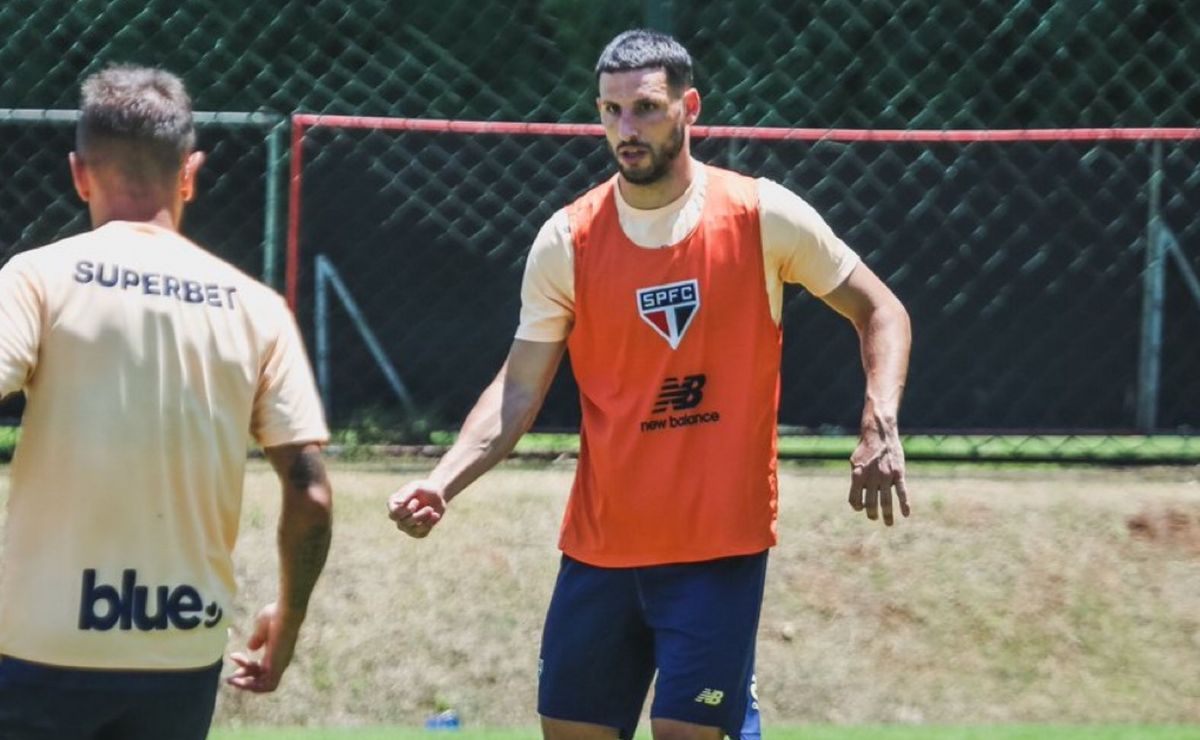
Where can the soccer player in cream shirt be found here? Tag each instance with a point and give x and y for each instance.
(148, 366)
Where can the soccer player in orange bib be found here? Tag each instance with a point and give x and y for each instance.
(665, 283)
(148, 366)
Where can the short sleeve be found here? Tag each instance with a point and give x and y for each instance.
(799, 244)
(287, 407)
(548, 287)
(21, 304)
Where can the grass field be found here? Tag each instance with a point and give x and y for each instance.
(889, 732)
(999, 448)
(1014, 600)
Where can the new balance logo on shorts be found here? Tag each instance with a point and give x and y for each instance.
(711, 697)
(669, 309)
(680, 395)
(102, 607)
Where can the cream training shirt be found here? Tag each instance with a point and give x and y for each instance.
(798, 247)
(148, 365)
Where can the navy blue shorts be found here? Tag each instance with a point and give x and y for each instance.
(608, 630)
(41, 702)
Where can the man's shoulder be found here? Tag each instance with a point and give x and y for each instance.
(260, 300)
(195, 262)
(778, 200)
(738, 189)
(571, 225)
(556, 227)
(63, 245)
(771, 193)
(199, 263)
(231, 272)
(713, 170)
(46, 257)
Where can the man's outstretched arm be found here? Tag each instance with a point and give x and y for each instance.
(305, 526)
(504, 412)
(885, 335)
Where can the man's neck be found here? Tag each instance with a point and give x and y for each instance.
(156, 214)
(664, 192)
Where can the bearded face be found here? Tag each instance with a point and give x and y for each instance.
(645, 162)
(645, 122)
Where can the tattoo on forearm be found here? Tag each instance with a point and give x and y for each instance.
(308, 559)
(307, 547)
(306, 470)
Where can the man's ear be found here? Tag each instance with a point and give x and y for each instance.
(79, 176)
(187, 175)
(691, 105)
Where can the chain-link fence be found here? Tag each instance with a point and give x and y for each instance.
(1022, 263)
(238, 217)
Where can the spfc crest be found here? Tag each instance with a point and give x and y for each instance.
(669, 309)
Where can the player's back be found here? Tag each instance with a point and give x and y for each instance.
(126, 484)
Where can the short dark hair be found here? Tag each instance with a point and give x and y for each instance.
(644, 49)
(137, 119)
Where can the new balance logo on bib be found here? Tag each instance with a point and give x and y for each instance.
(680, 394)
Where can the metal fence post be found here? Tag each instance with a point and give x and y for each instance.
(275, 155)
(321, 332)
(1153, 298)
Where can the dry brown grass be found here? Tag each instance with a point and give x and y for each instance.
(1034, 595)
(1022, 597)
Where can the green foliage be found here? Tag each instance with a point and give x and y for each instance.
(923, 63)
(369, 429)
